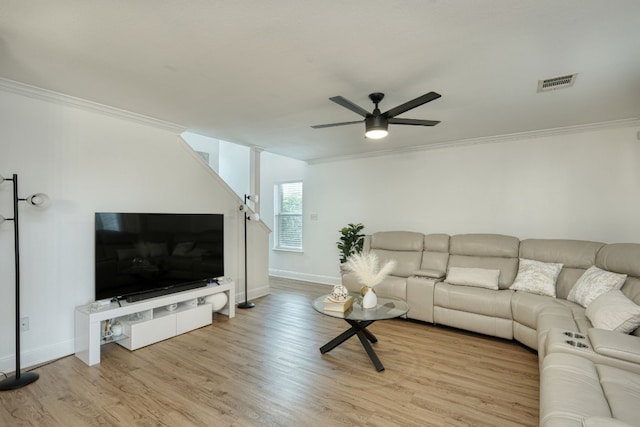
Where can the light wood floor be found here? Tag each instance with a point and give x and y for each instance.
(263, 368)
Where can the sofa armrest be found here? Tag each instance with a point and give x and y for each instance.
(615, 344)
(431, 274)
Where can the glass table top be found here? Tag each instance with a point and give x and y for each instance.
(387, 308)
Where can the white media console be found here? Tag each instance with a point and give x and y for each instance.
(147, 321)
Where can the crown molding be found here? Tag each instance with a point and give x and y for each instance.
(35, 92)
(59, 98)
(623, 123)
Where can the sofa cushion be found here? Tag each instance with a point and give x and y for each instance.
(473, 300)
(405, 247)
(575, 255)
(406, 262)
(507, 266)
(622, 389)
(631, 289)
(571, 253)
(393, 286)
(566, 279)
(573, 388)
(537, 277)
(484, 245)
(436, 242)
(603, 422)
(491, 251)
(620, 258)
(623, 258)
(615, 312)
(436, 253)
(570, 390)
(593, 283)
(526, 307)
(397, 241)
(478, 277)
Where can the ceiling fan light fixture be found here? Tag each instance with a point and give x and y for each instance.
(376, 127)
(376, 134)
(377, 123)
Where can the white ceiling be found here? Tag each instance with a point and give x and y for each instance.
(260, 72)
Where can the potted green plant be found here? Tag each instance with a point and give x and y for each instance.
(351, 241)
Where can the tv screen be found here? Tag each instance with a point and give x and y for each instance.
(139, 255)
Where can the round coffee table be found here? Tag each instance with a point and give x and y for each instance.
(359, 318)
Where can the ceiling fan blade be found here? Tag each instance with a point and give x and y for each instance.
(415, 122)
(335, 124)
(428, 97)
(350, 105)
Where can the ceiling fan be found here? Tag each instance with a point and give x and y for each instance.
(376, 123)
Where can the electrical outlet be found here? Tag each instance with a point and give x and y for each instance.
(24, 324)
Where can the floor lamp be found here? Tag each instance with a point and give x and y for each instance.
(247, 217)
(19, 380)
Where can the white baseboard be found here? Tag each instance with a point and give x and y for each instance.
(253, 293)
(37, 356)
(316, 278)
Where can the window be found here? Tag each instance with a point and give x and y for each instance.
(288, 216)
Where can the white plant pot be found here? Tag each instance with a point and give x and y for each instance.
(370, 299)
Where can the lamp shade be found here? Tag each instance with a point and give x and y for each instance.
(39, 200)
(376, 127)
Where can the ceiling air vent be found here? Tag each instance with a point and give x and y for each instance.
(555, 83)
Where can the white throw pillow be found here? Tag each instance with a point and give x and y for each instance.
(593, 283)
(613, 311)
(536, 277)
(478, 277)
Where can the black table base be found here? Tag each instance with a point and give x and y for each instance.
(358, 328)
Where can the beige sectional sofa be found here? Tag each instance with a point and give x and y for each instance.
(589, 376)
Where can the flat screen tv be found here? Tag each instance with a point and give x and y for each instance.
(143, 255)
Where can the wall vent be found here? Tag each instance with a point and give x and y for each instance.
(555, 83)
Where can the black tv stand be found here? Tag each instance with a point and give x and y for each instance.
(164, 291)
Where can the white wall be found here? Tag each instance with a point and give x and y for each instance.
(230, 161)
(582, 185)
(207, 145)
(235, 167)
(275, 169)
(91, 160)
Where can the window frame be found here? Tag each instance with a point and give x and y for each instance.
(277, 214)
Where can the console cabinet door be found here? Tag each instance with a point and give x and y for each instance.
(149, 332)
(195, 318)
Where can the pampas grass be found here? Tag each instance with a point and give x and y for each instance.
(365, 267)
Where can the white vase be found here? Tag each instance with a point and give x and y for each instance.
(370, 299)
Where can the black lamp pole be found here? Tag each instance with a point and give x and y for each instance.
(17, 380)
(246, 303)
